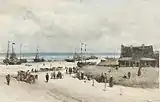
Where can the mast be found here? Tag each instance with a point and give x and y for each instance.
(81, 52)
(7, 55)
(13, 52)
(20, 51)
(85, 51)
(37, 56)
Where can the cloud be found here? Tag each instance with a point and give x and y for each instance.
(60, 25)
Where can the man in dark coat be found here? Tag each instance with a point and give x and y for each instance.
(129, 75)
(47, 77)
(70, 71)
(111, 82)
(82, 75)
(8, 79)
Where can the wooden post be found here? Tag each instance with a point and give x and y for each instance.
(93, 82)
(105, 85)
(121, 92)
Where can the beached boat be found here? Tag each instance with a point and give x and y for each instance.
(69, 60)
(76, 57)
(83, 61)
(37, 59)
(81, 64)
(11, 59)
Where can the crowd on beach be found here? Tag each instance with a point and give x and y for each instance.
(75, 72)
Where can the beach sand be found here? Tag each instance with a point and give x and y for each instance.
(68, 89)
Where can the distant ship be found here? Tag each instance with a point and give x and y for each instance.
(11, 58)
(76, 57)
(37, 59)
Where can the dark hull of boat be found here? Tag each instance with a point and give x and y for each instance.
(14, 63)
(7, 62)
(69, 60)
(81, 64)
(23, 60)
(39, 60)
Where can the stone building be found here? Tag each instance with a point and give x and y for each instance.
(135, 56)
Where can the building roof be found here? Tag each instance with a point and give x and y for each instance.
(142, 59)
(125, 59)
(108, 62)
(147, 59)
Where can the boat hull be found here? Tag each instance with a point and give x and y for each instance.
(39, 60)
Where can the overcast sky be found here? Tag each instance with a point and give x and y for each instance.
(60, 25)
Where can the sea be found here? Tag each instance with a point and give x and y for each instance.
(59, 56)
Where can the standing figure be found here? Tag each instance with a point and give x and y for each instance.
(8, 79)
(105, 78)
(111, 82)
(139, 71)
(70, 71)
(54, 75)
(47, 77)
(102, 78)
(59, 75)
(51, 75)
(82, 75)
(66, 70)
(129, 75)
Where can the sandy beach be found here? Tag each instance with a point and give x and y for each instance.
(68, 89)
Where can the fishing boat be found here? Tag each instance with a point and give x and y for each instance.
(69, 59)
(37, 59)
(76, 57)
(11, 58)
(84, 59)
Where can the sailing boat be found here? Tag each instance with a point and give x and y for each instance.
(12, 60)
(75, 57)
(84, 63)
(37, 59)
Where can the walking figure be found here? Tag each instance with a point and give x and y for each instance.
(139, 71)
(129, 75)
(105, 78)
(8, 79)
(47, 77)
(111, 82)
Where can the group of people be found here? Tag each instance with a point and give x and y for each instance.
(34, 70)
(56, 76)
(75, 70)
(103, 77)
(71, 70)
(26, 76)
(59, 75)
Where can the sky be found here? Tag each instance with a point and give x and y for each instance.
(61, 25)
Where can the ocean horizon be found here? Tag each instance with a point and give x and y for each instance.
(59, 56)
